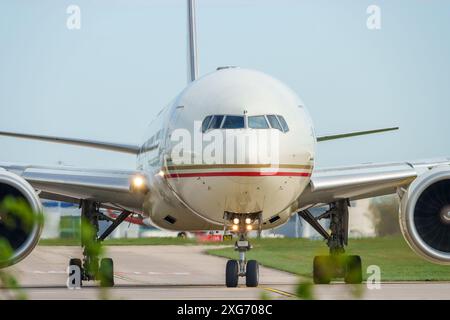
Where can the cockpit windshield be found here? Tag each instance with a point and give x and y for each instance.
(241, 122)
(258, 122)
(233, 122)
(216, 122)
(274, 123)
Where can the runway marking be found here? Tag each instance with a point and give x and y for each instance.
(118, 276)
(122, 273)
(281, 292)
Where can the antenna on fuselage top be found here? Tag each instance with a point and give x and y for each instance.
(192, 42)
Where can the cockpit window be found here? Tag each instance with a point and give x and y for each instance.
(274, 122)
(215, 122)
(240, 122)
(283, 123)
(205, 123)
(258, 122)
(233, 122)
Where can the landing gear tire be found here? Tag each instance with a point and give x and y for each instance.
(77, 263)
(106, 273)
(353, 270)
(252, 274)
(232, 274)
(322, 269)
(328, 267)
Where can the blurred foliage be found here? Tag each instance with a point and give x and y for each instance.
(264, 296)
(11, 288)
(17, 209)
(93, 248)
(15, 213)
(385, 215)
(304, 290)
(70, 228)
(356, 290)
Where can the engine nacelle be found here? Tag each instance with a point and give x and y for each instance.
(21, 235)
(425, 215)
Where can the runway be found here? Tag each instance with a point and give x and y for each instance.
(185, 273)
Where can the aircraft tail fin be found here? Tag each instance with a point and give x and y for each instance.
(191, 42)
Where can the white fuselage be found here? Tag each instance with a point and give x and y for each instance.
(196, 175)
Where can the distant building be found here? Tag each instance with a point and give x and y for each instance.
(296, 227)
(62, 220)
(361, 222)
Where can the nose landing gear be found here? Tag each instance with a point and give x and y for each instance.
(242, 268)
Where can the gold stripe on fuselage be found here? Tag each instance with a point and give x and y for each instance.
(238, 166)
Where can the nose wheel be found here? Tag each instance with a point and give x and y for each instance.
(242, 267)
(251, 273)
(232, 274)
(241, 225)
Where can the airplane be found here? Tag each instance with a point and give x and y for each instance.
(208, 187)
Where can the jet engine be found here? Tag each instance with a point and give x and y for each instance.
(20, 218)
(425, 215)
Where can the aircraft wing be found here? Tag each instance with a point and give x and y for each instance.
(363, 181)
(63, 183)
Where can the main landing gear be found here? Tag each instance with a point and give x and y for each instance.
(242, 268)
(336, 264)
(91, 267)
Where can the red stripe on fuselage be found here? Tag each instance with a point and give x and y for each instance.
(238, 174)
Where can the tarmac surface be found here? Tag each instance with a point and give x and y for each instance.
(185, 273)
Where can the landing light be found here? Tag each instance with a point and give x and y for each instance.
(248, 220)
(249, 227)
(235, 227)
(236, 221)
(138, 182)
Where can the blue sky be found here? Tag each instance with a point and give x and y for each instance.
(109, 79)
